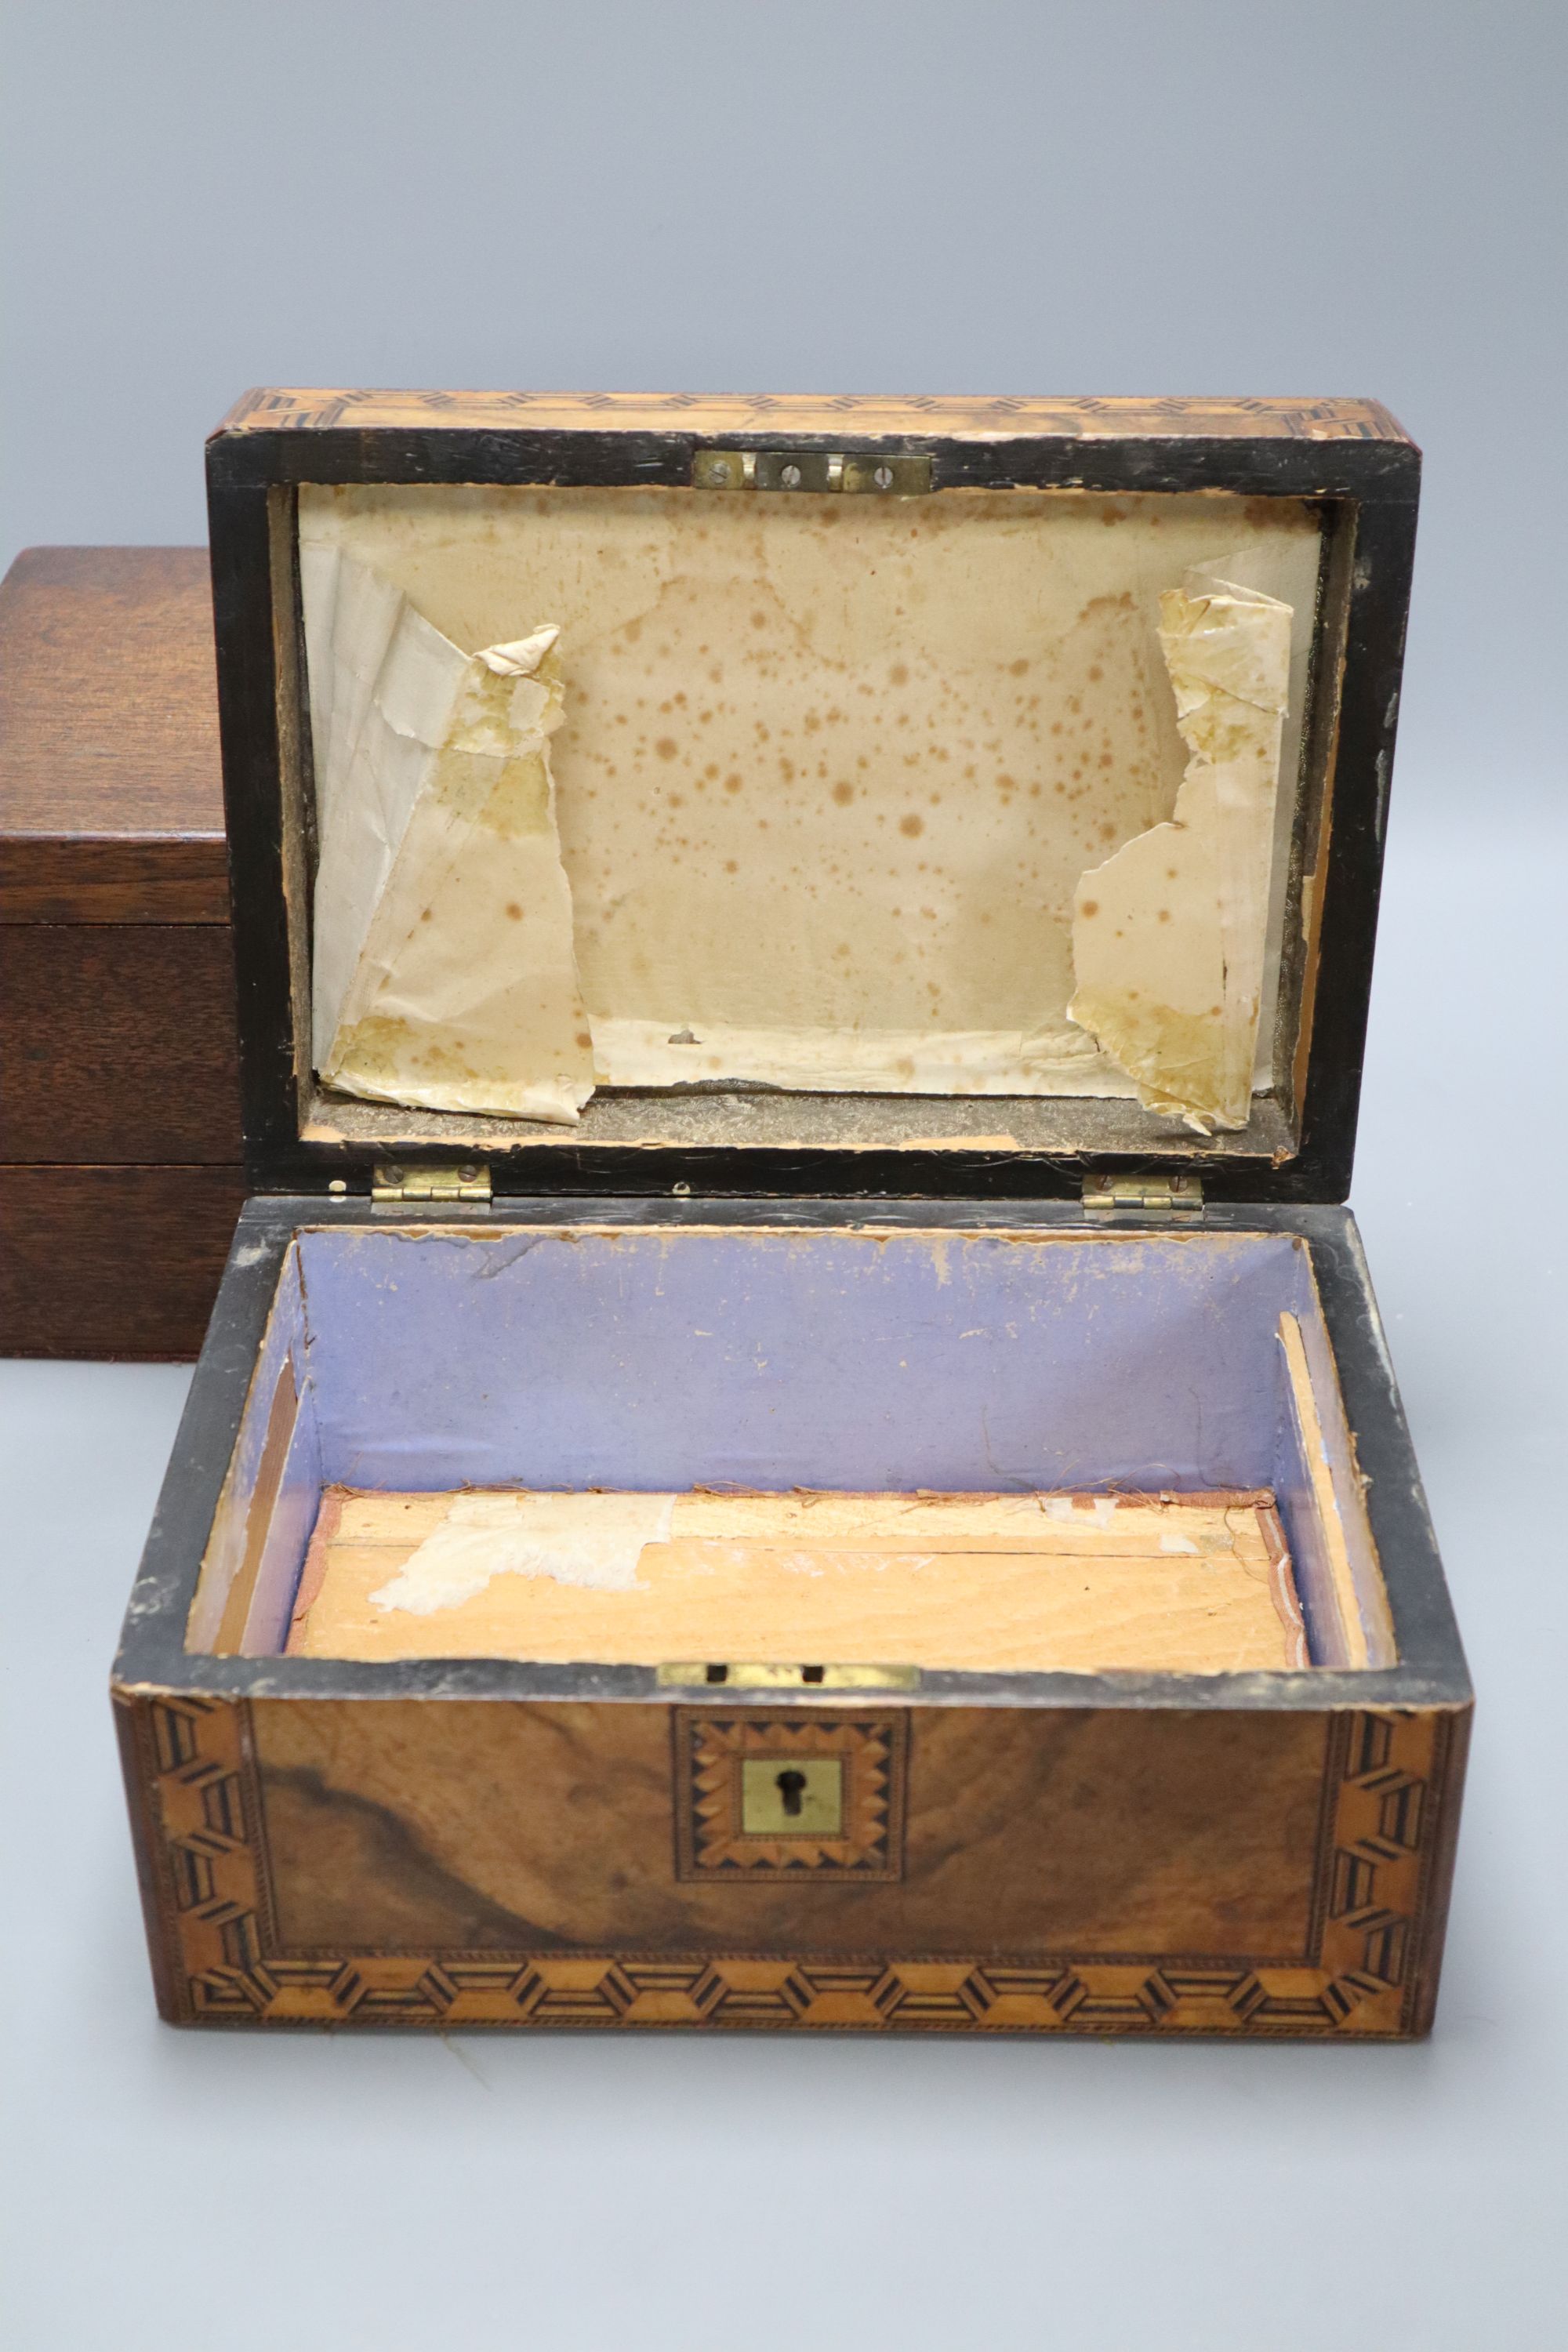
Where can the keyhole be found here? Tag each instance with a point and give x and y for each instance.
(791, 1785)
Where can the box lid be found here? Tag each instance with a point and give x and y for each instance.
(840, 796)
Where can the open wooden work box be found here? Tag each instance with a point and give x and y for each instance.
(796, 1434)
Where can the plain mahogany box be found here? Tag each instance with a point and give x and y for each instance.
(121, 1168)
(447, 1841)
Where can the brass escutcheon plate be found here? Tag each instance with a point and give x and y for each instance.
(786, 1796)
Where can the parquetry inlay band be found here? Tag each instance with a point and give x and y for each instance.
(1360, 1979)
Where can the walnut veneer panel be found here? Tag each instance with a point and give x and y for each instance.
(403, 1824)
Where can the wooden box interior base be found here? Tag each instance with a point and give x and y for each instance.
(980, 1452)
(689, 1583)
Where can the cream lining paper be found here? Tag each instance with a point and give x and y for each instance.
(469, 959)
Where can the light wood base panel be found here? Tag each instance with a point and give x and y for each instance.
(1190, 1583)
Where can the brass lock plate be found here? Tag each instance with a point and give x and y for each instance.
(757, 1794)
(876, 473)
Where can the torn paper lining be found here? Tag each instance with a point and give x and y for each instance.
(445, 966)
(982, 1062)
(1169, 933)
(595, 1540)
(1101, 1508)
(383, 684)
(441, 998)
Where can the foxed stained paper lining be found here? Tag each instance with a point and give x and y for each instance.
(448, 938)
(444, 968)
(1168, 934)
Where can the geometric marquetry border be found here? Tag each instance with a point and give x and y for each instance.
(195, 1804)
(710, 1749)
(1118, 418)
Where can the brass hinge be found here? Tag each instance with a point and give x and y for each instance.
(1155, 1196)
(889, 475)
(469, 1179)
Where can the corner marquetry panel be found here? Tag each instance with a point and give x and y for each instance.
(209, 1903)
(706, 413)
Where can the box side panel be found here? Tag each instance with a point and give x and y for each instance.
(461, 1863)
(1327, 1638)
(1322, 1447)
(157, 1742)
(1316, 1478)
(265, 1510)
(1441, 1849)
(1375, 1468)
(288, 1526)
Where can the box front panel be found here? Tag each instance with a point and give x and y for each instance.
(454, 1863)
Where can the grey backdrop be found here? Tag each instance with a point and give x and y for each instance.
(1129, 197)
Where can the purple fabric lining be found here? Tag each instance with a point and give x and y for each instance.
(674, 1359)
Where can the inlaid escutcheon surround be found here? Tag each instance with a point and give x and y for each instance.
(711, 1752)
(1389, 1791)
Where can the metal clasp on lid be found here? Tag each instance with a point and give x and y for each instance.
(745, 1675)
(893, 475)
